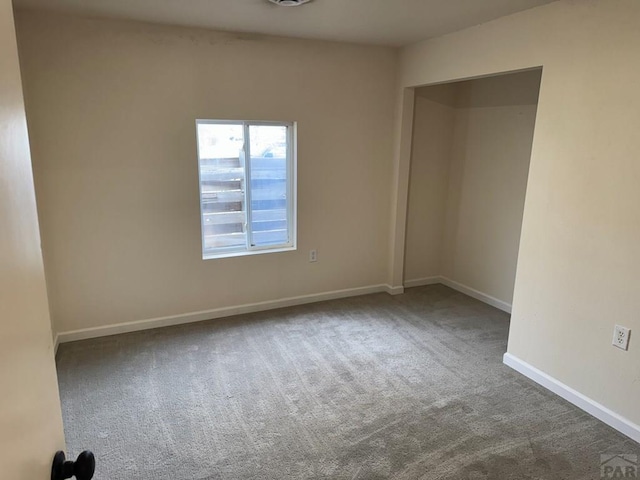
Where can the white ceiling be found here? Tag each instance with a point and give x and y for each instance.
(383, 22)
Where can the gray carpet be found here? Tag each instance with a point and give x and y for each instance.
(373, 387)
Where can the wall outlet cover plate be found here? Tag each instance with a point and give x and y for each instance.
(621, 337)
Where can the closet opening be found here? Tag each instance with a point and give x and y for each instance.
(470, 154)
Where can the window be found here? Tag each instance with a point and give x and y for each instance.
(247, 187)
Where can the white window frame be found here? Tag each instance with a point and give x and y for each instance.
(292, 188)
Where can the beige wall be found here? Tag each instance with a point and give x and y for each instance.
(488, 181)
(579, 260)
(493, 133)
(433, 126)
(471, 150)
(111, 107)
(30, 419)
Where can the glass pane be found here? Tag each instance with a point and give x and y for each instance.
(220, 147)
(269, 220)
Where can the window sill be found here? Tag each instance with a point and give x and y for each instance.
(245, 253)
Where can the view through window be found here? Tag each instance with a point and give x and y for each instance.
(247, 195)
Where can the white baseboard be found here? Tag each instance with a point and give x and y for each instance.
(472, 292)
(394, 290)
(85, 333)
(147, 324)
(421, 282)
(56, 344)
(590, 406)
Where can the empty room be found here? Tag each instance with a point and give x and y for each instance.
(363, 239)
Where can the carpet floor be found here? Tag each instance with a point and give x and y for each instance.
(372, 387)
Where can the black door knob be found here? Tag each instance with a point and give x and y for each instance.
(83, 468)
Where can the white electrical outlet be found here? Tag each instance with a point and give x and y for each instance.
(313, 256)
(621, 337)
